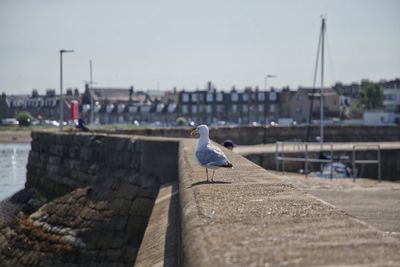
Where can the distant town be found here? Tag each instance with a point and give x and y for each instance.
(343, 104)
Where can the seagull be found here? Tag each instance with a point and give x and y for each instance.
(208, 155)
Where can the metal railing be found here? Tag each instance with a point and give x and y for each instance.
(303, 146)
(280, 155)
(363, 147)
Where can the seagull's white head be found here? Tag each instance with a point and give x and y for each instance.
(201, 130)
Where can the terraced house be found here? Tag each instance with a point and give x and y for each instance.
(211, 106)
(127, 105)
(44, 107)
(110, 105)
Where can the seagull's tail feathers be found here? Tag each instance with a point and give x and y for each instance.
(228, 165)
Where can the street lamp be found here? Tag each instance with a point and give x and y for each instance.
(265, 80)
(61, 87)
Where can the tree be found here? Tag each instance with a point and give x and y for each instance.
(370, 97)
(181, 121)
(24, 118)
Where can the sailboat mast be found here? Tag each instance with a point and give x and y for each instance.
(323, 28)
(91, 95)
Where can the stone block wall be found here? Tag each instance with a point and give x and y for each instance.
(59, 163)
(101, 190)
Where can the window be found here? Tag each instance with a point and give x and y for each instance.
(272, 108)
(209, 97)
(171, 108)
(209, 109)
(234, 108)
(272, 96)
(260, 108)
(109, 108)
(234, 97)
(194, 97)
(261, 96)
(194, 109)
(245, 97)
(245, 108)
(145, 108)
(184, 109)
(299, 98)
(391, 97)
(133, 109)
(160, 107)
(185, 97)
(219, 97)
(120, 108)
(220, 108)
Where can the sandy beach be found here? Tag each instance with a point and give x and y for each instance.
(7, 137)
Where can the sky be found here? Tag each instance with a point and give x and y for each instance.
(158, 44)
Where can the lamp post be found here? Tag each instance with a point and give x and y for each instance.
(61, 87)
(266, 89)
(266, 78)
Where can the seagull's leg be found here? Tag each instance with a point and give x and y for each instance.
(207, 174)
(212, 178)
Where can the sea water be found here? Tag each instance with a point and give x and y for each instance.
(13, 160)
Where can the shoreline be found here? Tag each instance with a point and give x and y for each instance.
(15, 137)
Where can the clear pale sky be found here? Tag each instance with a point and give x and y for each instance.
(184, 43)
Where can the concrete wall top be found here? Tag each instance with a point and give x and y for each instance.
(249, 217)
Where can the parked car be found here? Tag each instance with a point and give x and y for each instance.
(9, 121)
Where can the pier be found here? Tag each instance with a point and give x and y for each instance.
(120, 200)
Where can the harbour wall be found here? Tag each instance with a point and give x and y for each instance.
(119, 200)
(95, 194)
(253, 135)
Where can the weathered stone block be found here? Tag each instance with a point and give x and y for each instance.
(141, 207)
(136, 226)
(74, 152)
(56, 150)
(121, 206)
(119, 240)
(128, 191)
(114, 254)
(118, 223)
(54, 160)
(53, 169)
(85, 153)
(85, 140)
(124, 159)
(94, 168)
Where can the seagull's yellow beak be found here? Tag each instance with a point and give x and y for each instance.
(194, 132)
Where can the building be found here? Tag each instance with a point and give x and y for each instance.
(42, 107)
(211, 106)
(108, 105)
(391, 96)
(127, 105)
(307, 101)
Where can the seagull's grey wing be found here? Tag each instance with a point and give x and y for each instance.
(212, 156)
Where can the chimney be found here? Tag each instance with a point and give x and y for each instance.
(131, 91)
(209, 86)
(50, 92)
(35, 93)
